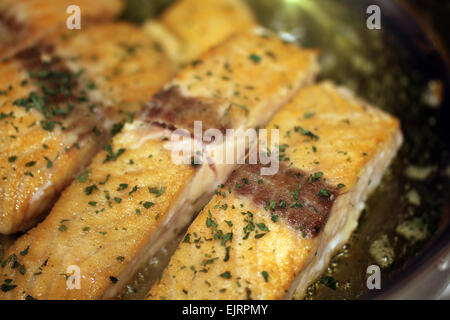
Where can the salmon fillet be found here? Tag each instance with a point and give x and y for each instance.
(268, 237)
(134, 198)
(55, 118)
(205, 23)
(129, 64)
(26, 22)
(43, 137)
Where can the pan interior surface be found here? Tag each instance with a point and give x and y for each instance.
(396, 68)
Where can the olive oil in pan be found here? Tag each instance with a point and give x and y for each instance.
(150, 273)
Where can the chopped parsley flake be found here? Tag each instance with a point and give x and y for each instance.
(328, 281)
(156, 191)
(255, 58)
(148, 204)
(25, 252)
(30, 164)
(111, 156)
(323, 193)
(265, 276)
(90, 189)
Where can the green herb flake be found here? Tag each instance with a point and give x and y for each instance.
(111, 156)
(25, 251)
(83, 177)
(265, 275)
(323, 193)
(156, 191)
(7, 287)
(148, 204)
(328, 281)
(187, 238)
(227, 254)
(135, 188)
(106, 179)
(88, 190)
(262, 227)
(255, 58)
(30, 164)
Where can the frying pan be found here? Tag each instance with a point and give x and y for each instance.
(403, 68)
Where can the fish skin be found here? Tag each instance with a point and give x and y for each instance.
(284, 261)
(96, 254)
(25, 23)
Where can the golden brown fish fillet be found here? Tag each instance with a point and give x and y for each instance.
(134, 199)
(46, 133)
(191, 27)
(24, 23)
(264, 237)
(89, 81)
(128, 66)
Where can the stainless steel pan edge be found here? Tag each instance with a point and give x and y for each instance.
(426, 276)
